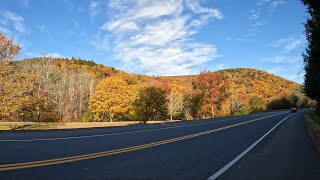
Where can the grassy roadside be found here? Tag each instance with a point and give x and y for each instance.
(6, 126)
(15, 126)
(312, 122)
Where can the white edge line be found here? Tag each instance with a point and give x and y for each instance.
(117, 133)
(231, 163)
(107, 134)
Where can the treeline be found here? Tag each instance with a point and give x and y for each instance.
(58, 89)
(253, 90)
(294, 100)
(48, 92)
(312, 52)
(130, 97)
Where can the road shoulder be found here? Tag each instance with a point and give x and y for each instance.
(287, 153)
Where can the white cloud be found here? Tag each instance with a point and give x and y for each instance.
(259, 15)
(298, 78)
(167, 60)
(282, 59)
(54, 55)
(282, 71)
(13, 26)
(161, 33)
(42, 27)
(15, 20)
(34, 54)
(290, 43)
(274, 5)
(293, 45)
(254, 16)
(155, 37)
(262, 2)
(219, 67)
(96, 6)
(275, 70)
(195, 7)
(289, 61)
(138, 11)
(101, 42)
(25, 3)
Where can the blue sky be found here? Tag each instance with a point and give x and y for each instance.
(163, 37)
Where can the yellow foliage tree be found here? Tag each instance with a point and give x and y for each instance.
(113, 98)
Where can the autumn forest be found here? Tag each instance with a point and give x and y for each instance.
(46, 89)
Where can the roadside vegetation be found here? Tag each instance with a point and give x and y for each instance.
(312, 122)
(46, 89)
(17, 126)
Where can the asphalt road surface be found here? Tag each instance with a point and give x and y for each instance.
(270, 145)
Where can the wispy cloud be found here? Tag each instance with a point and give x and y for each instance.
(13, 26)
(75, 27)
(288, 62)
(257, 16)
(155, 37)
(41, 27)
(289, 50)
(101, 42)
(254, 14)
(54, 55)
(275, 4)
(219, 67)
(297, 77)
(282, 59)
(290, 43)
(95, 6)
(25, 3)
(14, 20)
(275, 70)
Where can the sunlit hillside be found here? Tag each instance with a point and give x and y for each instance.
(57, 89)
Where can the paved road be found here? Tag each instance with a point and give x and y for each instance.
(186, 150)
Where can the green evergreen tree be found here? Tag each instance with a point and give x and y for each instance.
(312, 54)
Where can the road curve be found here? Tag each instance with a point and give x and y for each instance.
(187, 150)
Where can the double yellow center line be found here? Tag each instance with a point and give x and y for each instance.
(24, 165)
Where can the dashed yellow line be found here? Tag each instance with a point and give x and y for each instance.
(32, 164)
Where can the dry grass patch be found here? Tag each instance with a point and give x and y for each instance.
(312, 121)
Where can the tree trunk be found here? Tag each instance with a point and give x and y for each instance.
(171, 105)
(212, 112)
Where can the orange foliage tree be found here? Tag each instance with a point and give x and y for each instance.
(10, 87)
(212, 88)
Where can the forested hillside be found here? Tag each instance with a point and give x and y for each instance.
(58, 89)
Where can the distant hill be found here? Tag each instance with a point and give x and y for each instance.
(248, 86)
(257, 82)
(248, 82)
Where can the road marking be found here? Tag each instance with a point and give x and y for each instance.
(112, 134)
(24, 165)
(231, 163)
